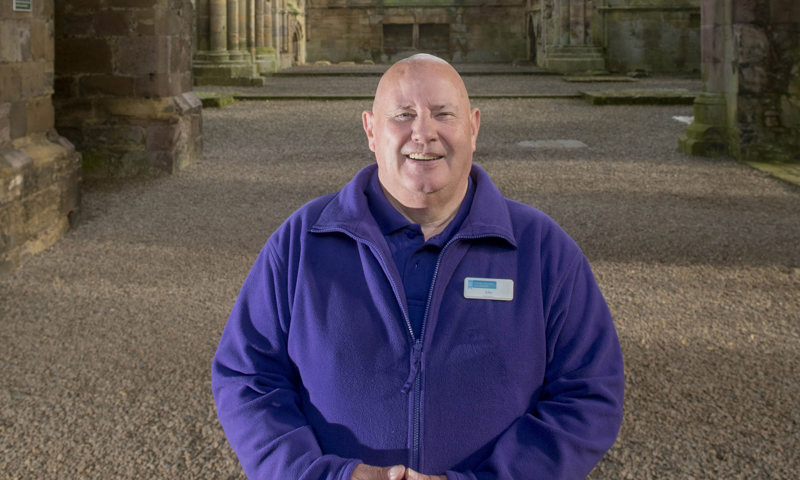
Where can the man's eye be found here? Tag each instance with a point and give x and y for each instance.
(403, 116)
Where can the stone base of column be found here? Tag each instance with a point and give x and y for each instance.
(40, 179)
(122, 137)
(574, 59)
(209, 70)
(707, 135)
(267, 61)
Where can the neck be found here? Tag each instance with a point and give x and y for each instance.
(432, 216)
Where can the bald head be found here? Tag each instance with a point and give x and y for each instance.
(420, 67)
(423, 132)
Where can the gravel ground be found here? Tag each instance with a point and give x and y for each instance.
(107, 337)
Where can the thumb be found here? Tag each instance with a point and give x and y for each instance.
(412, 475)
(395, 473)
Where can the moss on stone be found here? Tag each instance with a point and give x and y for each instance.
(215, 100)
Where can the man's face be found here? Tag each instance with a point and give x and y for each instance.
(423, 133)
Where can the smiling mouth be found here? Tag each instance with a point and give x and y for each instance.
(423, 156)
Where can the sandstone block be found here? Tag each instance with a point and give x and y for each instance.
(86, 5)
(147, 4)
(142, 56)
(18, 118)
(116, 85)
(77, 25)
(35, 79)
(40, 114)
(40, 39)
(9, 49)
(83, 55)
(5, 124)
(111, 23)
(162, 137)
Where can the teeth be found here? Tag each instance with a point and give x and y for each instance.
(422, 156)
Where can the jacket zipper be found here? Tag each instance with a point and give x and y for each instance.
(414, 377)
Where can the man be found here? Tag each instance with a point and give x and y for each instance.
(417, 324)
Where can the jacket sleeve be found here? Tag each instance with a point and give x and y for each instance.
(256, 388)
(577, 417)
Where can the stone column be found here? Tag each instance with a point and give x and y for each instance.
(233, 30)
(251, 25)
(202, 26)
(226, 63)
(217, 26)
(750, 104)
(269, 41)
(243, 47)
(707, 135)
(259, 24)
(570, 50)
(577, 22)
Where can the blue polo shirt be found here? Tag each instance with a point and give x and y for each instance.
(415, 258)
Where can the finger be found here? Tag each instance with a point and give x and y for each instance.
(396, 473)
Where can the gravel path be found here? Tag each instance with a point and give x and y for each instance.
(107, 337)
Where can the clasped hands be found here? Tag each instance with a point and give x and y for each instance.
(397, 472)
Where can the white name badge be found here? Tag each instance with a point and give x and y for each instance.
(489, 288)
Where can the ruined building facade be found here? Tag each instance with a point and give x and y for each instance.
(559, 35)
(750, 104)
(88, 88)
(238, 42)
(39, 169)
(103, 88)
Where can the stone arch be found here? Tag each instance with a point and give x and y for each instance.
(298, 44)
(532, 39)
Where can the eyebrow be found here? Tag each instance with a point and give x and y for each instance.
(444, 106)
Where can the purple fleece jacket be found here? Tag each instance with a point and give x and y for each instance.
(318, 369)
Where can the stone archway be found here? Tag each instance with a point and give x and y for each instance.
(532, 40)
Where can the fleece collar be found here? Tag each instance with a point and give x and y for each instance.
(349, 211)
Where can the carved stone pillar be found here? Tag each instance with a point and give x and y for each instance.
(251, 25)
(202, 28)
(217, 29)
(708, 133)
(233, 31)
(268, 30)
(259, 24)
(242, 10)
(224, 63)
(571, 49)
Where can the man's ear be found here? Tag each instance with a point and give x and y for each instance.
(368, 118)
(475, 123)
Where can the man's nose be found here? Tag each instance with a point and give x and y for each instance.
(423, 129)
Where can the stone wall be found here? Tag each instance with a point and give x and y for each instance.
(383, 31)
(750, 104)
(240, 41)
(123, 85)
(659, 36)
(39, 170)
(766, 49)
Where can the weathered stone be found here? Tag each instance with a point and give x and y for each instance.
(5, 124)
(38, 193)
(40, 115)
(18, 117)
(116, 85)
(111, 22)
(83, 55)
(751, 59)
(162, 137)
(142, 56)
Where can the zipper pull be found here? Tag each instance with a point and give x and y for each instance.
(416, 356)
